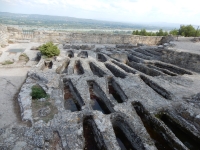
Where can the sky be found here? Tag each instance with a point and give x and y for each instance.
(133, 11)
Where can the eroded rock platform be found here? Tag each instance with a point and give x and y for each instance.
(110, 97)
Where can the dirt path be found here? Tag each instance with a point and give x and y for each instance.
(11, 79)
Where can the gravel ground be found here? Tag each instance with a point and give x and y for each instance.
(186, 45)
(14, 56)
(11, 79)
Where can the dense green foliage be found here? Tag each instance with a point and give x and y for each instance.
(38, 92)
(49, 49)
(187, 31)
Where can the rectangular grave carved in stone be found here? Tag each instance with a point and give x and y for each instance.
(116, 91)
(93, 138)
(158, 89)
(125, 136)
(124, 67)
(101, 58)
(83, 54)
(96, 70)
(70, 54)
(73, 100)
(161, 139)
(78, 69)
(63, 68)
(115, 71)
(98, 98)
(144, 69)
(172, 68)
(184, 135)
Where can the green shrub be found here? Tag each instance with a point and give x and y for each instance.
(49, 49)
(38, 92)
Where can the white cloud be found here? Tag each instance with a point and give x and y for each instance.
(121, 10)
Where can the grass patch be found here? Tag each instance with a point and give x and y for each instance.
(37, 105)
(38, 92)
(7, 62)
(47, 103)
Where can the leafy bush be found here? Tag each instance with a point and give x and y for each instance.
(49, 49)
(38, 92)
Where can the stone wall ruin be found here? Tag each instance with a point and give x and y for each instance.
(16, 35)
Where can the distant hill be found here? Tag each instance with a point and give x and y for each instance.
(60, 22)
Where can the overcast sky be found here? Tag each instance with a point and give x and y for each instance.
(136, 11)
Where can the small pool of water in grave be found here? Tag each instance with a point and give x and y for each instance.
(96, 102)
(70, 103)
(15, 50)
(114, 93)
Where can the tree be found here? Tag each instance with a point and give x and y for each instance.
(149, 33)
(187, 31)
(165, 33)
(161, 33)
(143, 32)
(174, 32)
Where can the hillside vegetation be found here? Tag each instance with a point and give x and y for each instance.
(187, 31)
